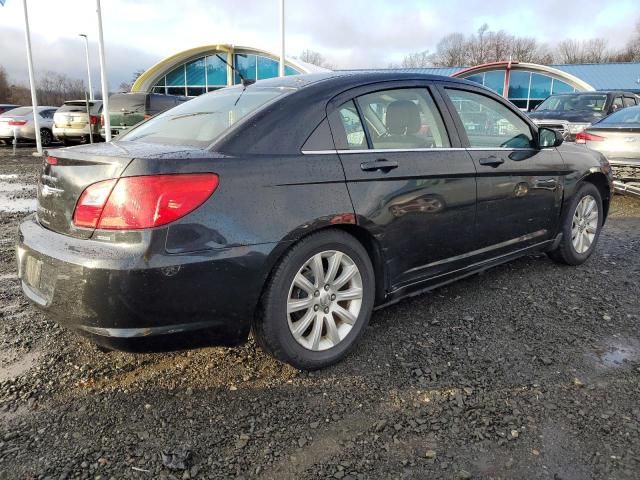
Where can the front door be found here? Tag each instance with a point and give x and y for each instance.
(411, 183)
(519, 184)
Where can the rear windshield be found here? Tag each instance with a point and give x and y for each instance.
(79, 107)
(201, 121)
(20, 111)
(629, 116)
(570, 103)
(130, 102)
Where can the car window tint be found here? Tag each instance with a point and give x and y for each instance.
(403, 118)
(628, 101)
(350, 119)
(488, 123)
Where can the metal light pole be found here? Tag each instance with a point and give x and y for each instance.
(103, 77)
(32, 83)
(86, 50)
(281, 67)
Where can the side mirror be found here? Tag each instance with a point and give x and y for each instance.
(548, 137)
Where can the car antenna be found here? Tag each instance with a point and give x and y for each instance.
(245, 81)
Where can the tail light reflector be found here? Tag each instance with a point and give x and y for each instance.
(93, 120)
(52, 160)
(17, 123)
(584, 137)
(132, 203)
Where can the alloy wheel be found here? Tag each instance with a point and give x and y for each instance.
(585, 224)
(324, 300)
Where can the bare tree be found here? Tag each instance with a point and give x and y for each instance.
(451, 51)
(417, 60)
(315, 58)
(5, 91)
(478, 46)
(55, 88)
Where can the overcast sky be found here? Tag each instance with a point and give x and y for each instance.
(349, 33)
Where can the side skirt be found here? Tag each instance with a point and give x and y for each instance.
(419, 287)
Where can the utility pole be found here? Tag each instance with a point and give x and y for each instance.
(32, 83)
(86, 49)
(103, 77)
(281, 69)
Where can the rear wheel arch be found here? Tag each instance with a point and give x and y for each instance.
(602, 184)
(362, 235)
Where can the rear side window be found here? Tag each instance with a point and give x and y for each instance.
(356, 139)
(403, 119)
(488, 123)
(629, 102)
(203, 120)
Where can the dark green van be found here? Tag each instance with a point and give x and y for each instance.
(129, 109)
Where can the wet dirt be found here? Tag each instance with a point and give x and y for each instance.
(529, 371)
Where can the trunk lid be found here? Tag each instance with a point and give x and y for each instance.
(619, 142)
(60, 185)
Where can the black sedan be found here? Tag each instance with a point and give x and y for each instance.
(292, 207)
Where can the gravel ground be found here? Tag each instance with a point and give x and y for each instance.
(531, 370)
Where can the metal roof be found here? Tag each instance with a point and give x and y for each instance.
(606, 76)
(601, 76)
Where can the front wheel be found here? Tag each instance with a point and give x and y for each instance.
(581, 226)
(318, 301)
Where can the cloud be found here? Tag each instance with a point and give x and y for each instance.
(349, 33)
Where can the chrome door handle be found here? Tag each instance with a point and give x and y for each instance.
(381, 164)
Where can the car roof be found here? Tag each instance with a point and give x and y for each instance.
(345, 78)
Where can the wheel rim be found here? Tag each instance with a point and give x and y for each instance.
(324, 300)
(585, 224)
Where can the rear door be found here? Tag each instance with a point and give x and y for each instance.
(519, 185)
(411, 183)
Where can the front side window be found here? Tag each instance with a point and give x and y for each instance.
(203, 120)
(350, 119)
(617, 103)
(488, 123)
(403, 119)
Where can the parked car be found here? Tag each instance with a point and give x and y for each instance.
(19, 122)
(267, 209)
(129, 109)
(72, 123)
(571, 113)
(5, 107)
(618, 138)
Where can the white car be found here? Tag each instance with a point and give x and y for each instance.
(18, 123)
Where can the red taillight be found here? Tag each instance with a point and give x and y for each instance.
(142, 202)
(17, 123)
(52, 160)
(147, 116)
(584, 137)
(102, 120)
(93, 120)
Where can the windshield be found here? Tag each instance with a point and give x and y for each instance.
(629, 116)
(201, 121)
(568, 103)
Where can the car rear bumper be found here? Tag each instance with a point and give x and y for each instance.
(130, 298)
(63, 132)
(20, 133)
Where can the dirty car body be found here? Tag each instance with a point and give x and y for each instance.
(293, 166)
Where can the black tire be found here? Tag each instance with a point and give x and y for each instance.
(46, 137)
(271, 327)
(565, 252)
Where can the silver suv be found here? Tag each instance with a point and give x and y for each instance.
(72, 123)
